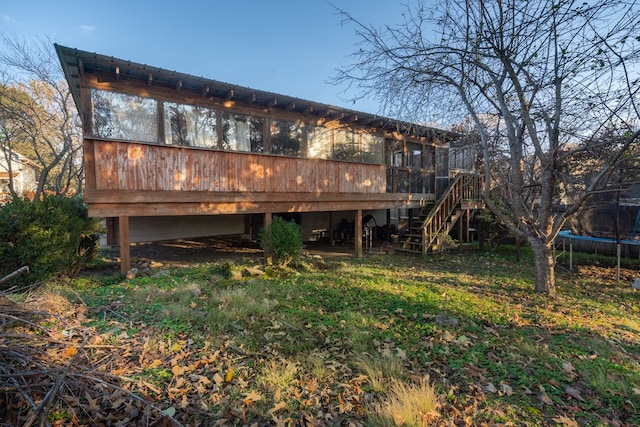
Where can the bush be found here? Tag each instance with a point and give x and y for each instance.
(282, 241)
(51, 236)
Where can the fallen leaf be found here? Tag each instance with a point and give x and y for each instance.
(252, 396)
(505, 389)
(155, 364)
(203, 380)
(448, 336)
(573, 392)
(169, 412)
(279, 406)
(566, 421)
(70, 352)
(490, 388)
(178, 370)
(229, 376)
(217, 378)
(544, 397)
(184, 402)
(93, 403)
(570, 370)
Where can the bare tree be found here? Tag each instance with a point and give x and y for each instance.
(541, 77)
(38, 113)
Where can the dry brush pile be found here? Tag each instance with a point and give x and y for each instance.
(52, 370)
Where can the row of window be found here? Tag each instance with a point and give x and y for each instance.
(135, 118)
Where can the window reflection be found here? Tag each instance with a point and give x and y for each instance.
(190, 125)
(319, 142)
(346, 145)
(242, 133)
(286, 137)
(120, 116)
(128, 117)
(372, 146)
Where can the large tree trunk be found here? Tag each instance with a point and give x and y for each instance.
(545, 266)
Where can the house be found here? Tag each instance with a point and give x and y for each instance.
(170, 155)
(17, 168)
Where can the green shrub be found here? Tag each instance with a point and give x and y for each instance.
(222, 270)
(282, 241)
(51, 236)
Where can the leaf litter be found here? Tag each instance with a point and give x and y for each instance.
(58, 368)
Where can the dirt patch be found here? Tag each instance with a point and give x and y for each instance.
(185, 252)
(602, 273)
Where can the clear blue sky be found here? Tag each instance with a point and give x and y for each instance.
(292, 47)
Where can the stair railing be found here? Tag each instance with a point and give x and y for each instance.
(463, 187)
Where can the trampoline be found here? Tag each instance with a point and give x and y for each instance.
(568, 235)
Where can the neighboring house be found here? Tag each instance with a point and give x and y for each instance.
(24, 172)
(170, 155)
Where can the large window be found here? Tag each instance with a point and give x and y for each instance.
(346, 145)
(136, 118)
(372, 146)
(242, 133)
(286, 137)
(319, 142)
(119, 116)
(190, 125)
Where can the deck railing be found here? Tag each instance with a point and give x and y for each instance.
(464, 187)
(139, 166)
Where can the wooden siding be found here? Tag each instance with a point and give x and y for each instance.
(148, 167)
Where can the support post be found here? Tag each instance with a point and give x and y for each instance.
(332, 241)
(357, 231)
(268, 217)
(618, 253)
(123, 239)
(570, 255)
(460, 230)
(389, 225)
(468, 238)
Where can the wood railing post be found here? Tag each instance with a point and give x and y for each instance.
(358, 233)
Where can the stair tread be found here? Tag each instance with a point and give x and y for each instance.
(408, 250)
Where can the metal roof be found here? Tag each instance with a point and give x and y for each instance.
(77, 62)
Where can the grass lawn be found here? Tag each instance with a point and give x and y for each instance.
(457, 339)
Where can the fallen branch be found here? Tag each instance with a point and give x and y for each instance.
(46, 401)
(15, 273)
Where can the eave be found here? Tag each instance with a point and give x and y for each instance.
(76, 62)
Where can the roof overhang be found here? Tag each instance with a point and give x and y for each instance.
(76, 62)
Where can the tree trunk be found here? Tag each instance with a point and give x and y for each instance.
(545, 267)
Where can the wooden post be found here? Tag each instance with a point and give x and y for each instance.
(570, 255)
(332, 241)
(618, 247)
(123, 235)
(268, 219)
(460, 229)
(357, 231)
(389, 225)
(468, 224)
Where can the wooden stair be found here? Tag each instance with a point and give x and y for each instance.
(436, 221)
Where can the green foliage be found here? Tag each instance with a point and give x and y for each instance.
(222, 270)
(52, 236)
(282, 241)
